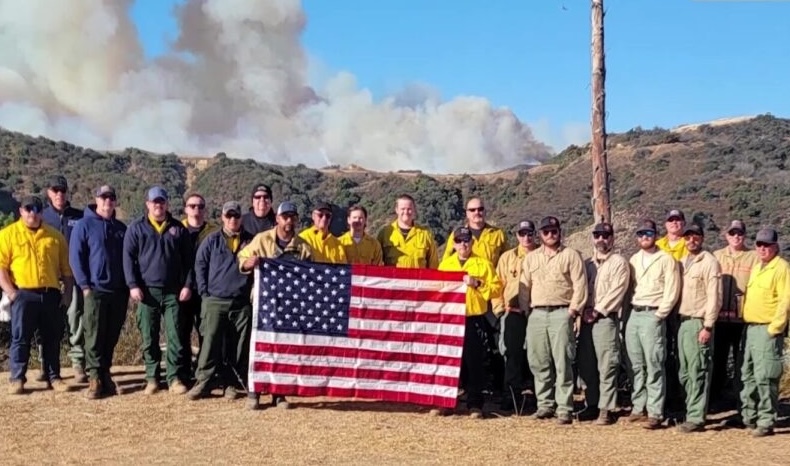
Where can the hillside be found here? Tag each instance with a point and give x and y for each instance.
(714, 172)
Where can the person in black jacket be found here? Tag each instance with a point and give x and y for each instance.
(226, 312)
(96, 259)
(261, 215)
(158, 256)
(60, 215)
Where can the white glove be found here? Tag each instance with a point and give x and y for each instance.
(5, 309)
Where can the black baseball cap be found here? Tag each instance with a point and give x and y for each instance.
(549, 222)
(260, 187)
(59, 182)
(676, 213)
(737, 225)
(647, 225)
(767, 235)
(33, 202)
(604, 227)
(693, 229)
(526, 225)
(462, 234)
(322, 206)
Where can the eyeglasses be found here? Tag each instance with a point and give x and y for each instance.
(550, 232)
(233, 215)
(476, 209)
(110, 197)
(646, 233)
(603, 235)
(525, 233)
(735, 233)
(32, 208)
(197, 206)
(761, 244)
(258, 197)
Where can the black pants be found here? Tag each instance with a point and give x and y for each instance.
(726, 338)
(675, 401)
(103, 318)
(225, 322)
(36, 310)
(514, 333)
(473, 361)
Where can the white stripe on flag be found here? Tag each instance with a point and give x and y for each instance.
(443, 286)
(359, 384)
(405, 305)
(449, 330)
(354, 363)
(354, 343)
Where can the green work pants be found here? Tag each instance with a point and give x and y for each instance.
(225, 323)
(551, 349)
(102, 320)
(761, 371)
(156, 303)
(599, 357)
(76, 328)
(695, 369)
(645, 341)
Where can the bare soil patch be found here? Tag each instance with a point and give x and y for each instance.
(48, 427)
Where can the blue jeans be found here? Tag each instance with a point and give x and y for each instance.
(33, 310)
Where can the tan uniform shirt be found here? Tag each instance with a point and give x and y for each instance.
(608, 277)
(701, 295)
(558, 280)
(509, 271)
(265, 245)
(736, 267)
(657, 278)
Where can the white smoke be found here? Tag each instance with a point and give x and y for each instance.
(235, 81)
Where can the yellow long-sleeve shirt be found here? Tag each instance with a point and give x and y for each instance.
(558, 280)
(490, 244)
(416, 250)
(736, 267)
(701, 293)
(509, 271)
(657, 278)
(265, 245)
(35, 259)
(678, 251)
(768, 295)
(326, 248)
(481, 269)
(367, 251)
(609, 277)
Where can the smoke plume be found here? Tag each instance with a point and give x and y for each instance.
(234, 80)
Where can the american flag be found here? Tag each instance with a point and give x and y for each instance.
(357, 331)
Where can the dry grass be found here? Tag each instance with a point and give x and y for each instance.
(47, 427)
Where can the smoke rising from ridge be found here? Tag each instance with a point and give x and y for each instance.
(235, 81)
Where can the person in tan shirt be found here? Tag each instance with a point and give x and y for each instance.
(609, 276)
(736, 262)
(700, 301)
(513, 319)
(554, 286)
(657, 278)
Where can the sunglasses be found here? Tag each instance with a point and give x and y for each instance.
(110, 197)
(761, 244)
(197, 206)
(261, 196)
(735, 233)
(58, 190)
(598, 235)
(233, 215)
(476, 209)
(647, 233)
(32, 208)
(550, 232)
(525, 233)
(459, 241)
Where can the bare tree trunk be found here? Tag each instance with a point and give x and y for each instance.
(602, 210)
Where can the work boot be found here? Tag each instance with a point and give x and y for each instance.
(108, 385)
(42, 376)
(79, 374)
(476, 413)
(636, 417)
(253, 401)
(652, 423)
(231, 393)
(439, 412)
(177, 387)
(564, 419)
(59, 385)
(688, 427)
(151, 387)
(544, 413)
(94, 390)
(199, 390)
(762, 431)
(604, 418)
(279, 401)
(17, 387)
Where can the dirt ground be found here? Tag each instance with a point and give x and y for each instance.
(43, 427)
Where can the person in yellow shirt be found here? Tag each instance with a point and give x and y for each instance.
(765, 312)
(673, 242)
(406, 244)
(513, 319)
(325, 246)
(487, 241)
(360, 247)
(483, 284)
(34, 260)
(281, 241)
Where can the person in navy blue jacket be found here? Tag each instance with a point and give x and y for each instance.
(226, 311)
(60, 215)
(158, 259)
(96, 259)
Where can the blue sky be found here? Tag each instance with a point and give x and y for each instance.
(669, 62)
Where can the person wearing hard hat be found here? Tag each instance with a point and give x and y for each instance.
(405, 243)
(325, 246)
(360, 247)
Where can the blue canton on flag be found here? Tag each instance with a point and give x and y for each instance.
(308, 298)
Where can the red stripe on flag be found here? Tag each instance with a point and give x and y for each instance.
(356, 353)
(406, 316)
(355, 373)
(405, 274)
(381, 395)
(408, 337)
(408, 295)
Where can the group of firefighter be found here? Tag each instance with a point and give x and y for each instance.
(667, 319)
